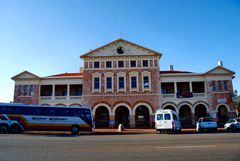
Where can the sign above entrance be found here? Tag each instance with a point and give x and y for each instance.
(222, 100)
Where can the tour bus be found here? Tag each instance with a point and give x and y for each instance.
(167, 121)
(16, 118)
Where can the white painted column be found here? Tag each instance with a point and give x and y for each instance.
(175, 88)
(53, 92)
(68, 92)
(190, 86)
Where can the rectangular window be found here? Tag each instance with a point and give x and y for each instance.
(31, 90)
(159, 116)
(133, 63)
(20, 90)
(96, 64)
(213, 86)
(96, 83)
(109, 82)
(108, 64)
(26, 90)
(120, 64)
(167, 116)
(219, 86)
(121, 82)
(133, 82)
(145, 63)
(225, 86)
(146, 81)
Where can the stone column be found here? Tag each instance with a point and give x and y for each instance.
(111, 121)
(193, 119)
(132, 121)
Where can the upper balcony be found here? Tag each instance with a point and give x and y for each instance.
(183, 90)
(68, 92)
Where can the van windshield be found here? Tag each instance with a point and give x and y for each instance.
(167, 116)
(159, 116)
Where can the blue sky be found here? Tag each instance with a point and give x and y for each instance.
(47, 37)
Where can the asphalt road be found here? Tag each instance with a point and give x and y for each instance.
(128, 147)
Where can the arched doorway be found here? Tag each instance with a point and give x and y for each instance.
(169, 107)
(122, 116)
(200, 111)
(142, 118)
(185, 116)
(222, 114)
(101, 117)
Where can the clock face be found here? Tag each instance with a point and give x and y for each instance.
(120, 50)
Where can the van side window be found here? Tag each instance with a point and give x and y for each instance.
(167, 116)
(175, 117)
(159, 116)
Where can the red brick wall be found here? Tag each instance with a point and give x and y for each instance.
(215, 96)
(27, 99)
(150, 98)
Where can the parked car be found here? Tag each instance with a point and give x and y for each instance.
(232, 124)
(206, 123)
(167, 121)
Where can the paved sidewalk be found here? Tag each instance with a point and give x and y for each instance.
(140, 131)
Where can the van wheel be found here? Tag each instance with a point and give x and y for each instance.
(15, 129)
(3, 128)
(75, 129)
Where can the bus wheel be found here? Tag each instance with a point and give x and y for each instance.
(15, 129)
(3, 128)
(74, 129)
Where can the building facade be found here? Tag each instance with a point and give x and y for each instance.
(123, 84)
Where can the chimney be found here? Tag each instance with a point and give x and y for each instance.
(171, 68)
(81, 70)
(220, 63)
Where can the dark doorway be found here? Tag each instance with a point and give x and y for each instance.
(142, 117)
(102, 117)
(122, 116)
(200, 111)
(185, 116)
(222, 114)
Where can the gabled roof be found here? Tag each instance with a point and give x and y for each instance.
(116, 41)
(67, 75)
(25, 75)
(219, 70)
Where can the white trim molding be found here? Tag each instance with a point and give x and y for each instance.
(133, 74)
(142, 104)
(146, 74)
(102, 104)
(108, 75)
(96, 75)
(121, 104)
(121, 74)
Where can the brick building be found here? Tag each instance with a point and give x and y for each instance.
(122, 83)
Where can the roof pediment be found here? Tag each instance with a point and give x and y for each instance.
(120, 48)
(25, 75)
(219, 70)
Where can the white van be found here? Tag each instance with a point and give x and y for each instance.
(167, 120)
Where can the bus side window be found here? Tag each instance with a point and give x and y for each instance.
(66, 112)
(52, 112)
(36, 111)
(20, 110)
(29, 111)
(45, 111)
(9, 110)
(2, 109)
